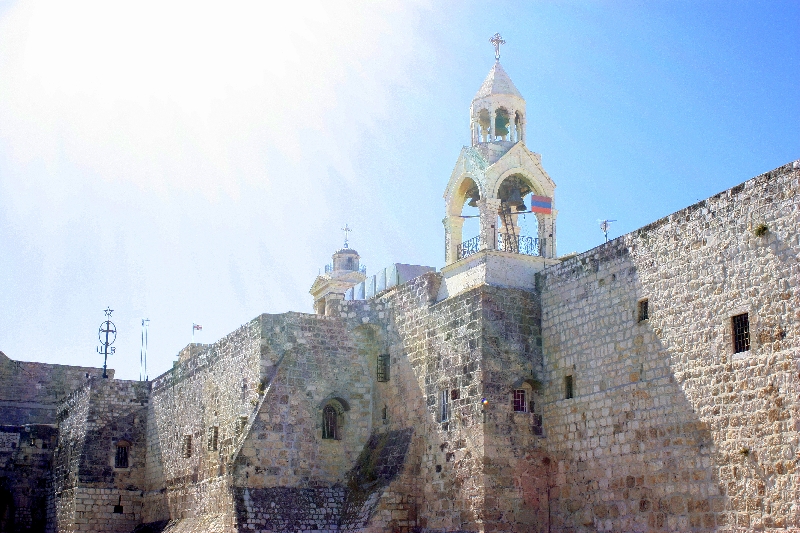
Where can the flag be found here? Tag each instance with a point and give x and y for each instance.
(197, 327)
(541, 204)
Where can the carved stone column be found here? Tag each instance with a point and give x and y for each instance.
(453, 226)
(492, 118)
(547, 234)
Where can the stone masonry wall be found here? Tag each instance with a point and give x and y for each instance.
(29, 397)
(517, 468)
(215, 385)
(669, 429)
(90, 492)
(30, 392)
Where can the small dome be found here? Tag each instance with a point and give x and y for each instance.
(497, 82)
(350, 251)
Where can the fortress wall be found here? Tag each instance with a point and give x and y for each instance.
(25, 458)
(89, 489)
(29, 397)
(517, 467)
(668, 428)
(435, 481)
(30, 392)
(317, 361)
(214, 385)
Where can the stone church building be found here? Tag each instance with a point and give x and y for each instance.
(649, 384)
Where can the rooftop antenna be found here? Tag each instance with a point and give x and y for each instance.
(497, 40)
(604, 225)
(143, 352)
(346, 229)
(107, 335)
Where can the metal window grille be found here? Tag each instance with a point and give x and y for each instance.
(569, 391)
(519, 401)
(444, 406)
(643, 311)
(741, 333)
(330, 423)
(213, 438)
(383, 367)
(121, 459)
(187, 446)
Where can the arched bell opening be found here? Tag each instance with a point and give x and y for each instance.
(462, 223)
(502, 125)
(518, 220)
(484, 125)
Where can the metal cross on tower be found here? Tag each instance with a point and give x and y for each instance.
(346, 230)
(497, 40)
(107, 335)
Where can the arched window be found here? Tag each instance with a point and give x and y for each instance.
(330, 423)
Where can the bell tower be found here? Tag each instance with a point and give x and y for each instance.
(500, 176)
(344, 272)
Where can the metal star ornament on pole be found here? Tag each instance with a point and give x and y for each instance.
(107, 335)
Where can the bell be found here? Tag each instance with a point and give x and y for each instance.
(473, 202)
(515, 200)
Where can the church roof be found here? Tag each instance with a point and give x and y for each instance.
(497, 82)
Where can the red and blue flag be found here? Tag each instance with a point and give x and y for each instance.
(541, 204)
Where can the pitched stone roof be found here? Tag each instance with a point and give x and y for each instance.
(497, 82)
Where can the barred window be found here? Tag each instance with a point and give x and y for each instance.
(444, 406)
(330, 423)
(741, 333)
(187, 446)
(383, 367)
(213, 438)
(121, 458)
(519, 401)
(643, 311)
(568, 387)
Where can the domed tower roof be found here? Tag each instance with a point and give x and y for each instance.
(350, 251)
(497, 82)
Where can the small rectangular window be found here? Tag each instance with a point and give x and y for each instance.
(383, 367)
(519, 401)
(213, 438)
(187, 446)
(444, 406)
(121, 459)
(455, 394)
(568, 387)
(741, 333)
(643, 311)
(537, 425)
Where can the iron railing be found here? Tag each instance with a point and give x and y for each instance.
(505, 243)
(468, 247)
(362, 269)
(518, 245)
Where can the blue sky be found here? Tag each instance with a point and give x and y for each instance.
(194, 162)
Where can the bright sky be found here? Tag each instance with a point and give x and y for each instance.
(193, 162)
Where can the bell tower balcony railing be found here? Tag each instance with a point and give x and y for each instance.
(362, 269)
(522, 245)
